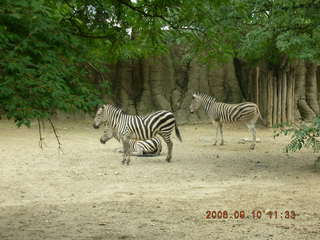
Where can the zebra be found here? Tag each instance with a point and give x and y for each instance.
(137, 127)
(220, 112)
(150, 147)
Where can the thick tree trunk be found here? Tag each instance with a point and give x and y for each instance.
(290, 95)
(283, 93)
(311, 87)
(257, 84)
(275, 94)
(275, 99)
(303, 109)
(279, 91)
(284, 97)
(167, 82)
(270, 99)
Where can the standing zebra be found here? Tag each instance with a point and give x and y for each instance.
(151, 146)
(219, 113)
(137, 127)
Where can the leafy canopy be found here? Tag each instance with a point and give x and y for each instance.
(258, 30)
(42, 64)
(48, 47)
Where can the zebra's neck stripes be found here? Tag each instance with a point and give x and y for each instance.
(207, 101)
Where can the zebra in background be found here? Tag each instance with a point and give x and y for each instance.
(137, 127)
(150, 147)
(220, 113)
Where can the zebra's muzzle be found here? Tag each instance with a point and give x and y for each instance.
(95, 126)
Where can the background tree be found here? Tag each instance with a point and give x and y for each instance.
(42, 67)
(280, 38)
(45, 44)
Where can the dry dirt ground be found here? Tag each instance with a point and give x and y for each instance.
(85, 192)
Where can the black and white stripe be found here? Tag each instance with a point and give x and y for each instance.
(220, 113)
(138, 127)
(151, 146)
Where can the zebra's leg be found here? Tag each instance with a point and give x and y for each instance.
(169, 143)
(252, 129)
(221, 133)
(170, 146)
(126, 151)
(217, 131)
(158, 150)
(138, 151)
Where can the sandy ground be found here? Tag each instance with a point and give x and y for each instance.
(85, 193)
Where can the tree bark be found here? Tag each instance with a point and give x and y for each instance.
(303, 109)
(275, 99)
(167, 82)
(290, 95)
(270, 99)
(279, 100)
(311, 87)
(284, 97)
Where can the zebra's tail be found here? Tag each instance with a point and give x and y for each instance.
(260, 116)
(178, 132)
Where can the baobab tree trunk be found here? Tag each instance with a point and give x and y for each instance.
(273, 92)
(167, 82)
(269, 112)
(284, 93)
(290, 94)
(303, 110)
(311, 87)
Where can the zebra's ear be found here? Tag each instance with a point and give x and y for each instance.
(100, 106)
(97, 107)
(195, 95)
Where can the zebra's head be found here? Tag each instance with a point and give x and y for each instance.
(195, 103)
(107, 135)
(100, 117)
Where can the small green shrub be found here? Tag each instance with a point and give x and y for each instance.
(304, 135)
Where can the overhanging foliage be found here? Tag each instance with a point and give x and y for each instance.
(45, 44)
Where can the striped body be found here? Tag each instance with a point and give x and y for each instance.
(220, 113)
(141, 147)
(138, 127)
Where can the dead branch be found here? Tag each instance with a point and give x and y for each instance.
(97, 70)
(56, 135)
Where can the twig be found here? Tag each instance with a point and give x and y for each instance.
(146, 15)
(55, 133)
(97, 70)
(43, 130)
(40, 135)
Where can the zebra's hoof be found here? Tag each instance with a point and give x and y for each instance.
(168, 160)
(222, 143)
(252, 147)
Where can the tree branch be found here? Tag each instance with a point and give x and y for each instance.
(81, 34)
(97, 70)
(56, 135)
(40, 135)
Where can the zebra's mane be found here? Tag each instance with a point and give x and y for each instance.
(205, 97)
(117, 109)
(114, 108)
